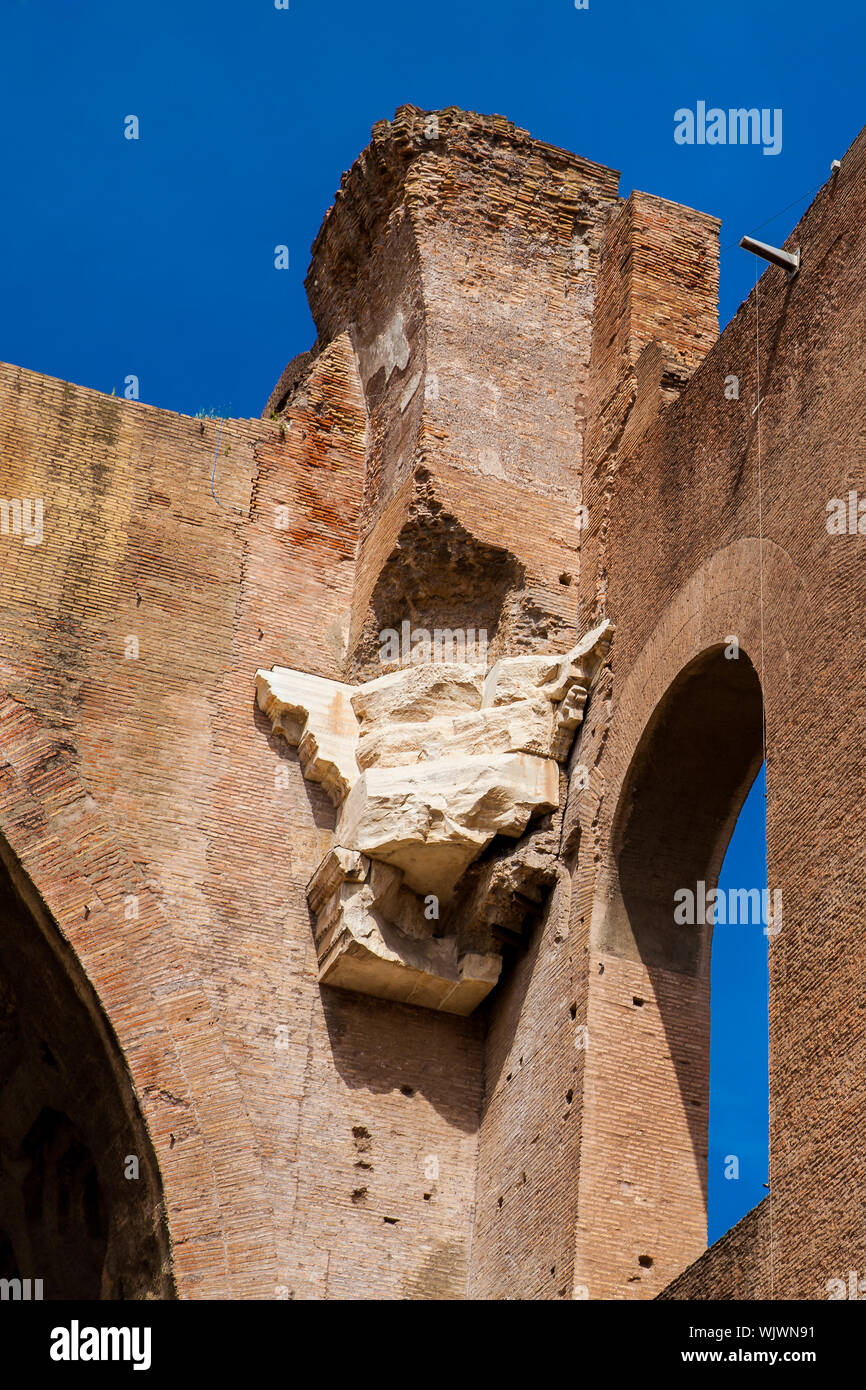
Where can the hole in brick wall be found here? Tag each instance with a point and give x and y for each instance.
(570, 847)
(637, 1001)
(645, 1261)
(499, 1201)
(601, 968)
(427, 1196)
(361, 1136)
(565, 579)
(569, 1096)
(390, 1220)
(573, 1011)
(359, 1163)
(359, 1196)
(441, 576)
(407, 1090)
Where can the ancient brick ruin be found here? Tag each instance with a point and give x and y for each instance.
(369, 963)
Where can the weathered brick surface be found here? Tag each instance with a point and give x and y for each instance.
(685, 513)
(173, 756)
(737, 1266)
(500, 339)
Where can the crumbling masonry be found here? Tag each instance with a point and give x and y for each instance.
(327, 974)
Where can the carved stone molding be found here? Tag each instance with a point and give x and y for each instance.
(427, 766)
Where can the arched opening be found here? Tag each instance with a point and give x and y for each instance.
(81, 1206)
(739, 1056)
(688, 779)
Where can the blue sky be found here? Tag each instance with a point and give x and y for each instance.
(155, 257)
(739, 1084)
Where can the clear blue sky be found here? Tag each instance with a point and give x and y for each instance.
(155, 257)
(739, 1083)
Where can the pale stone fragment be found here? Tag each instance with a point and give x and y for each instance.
(398, 904)
(523, 726)
(337, 866)
(428, 765)
(433, 819)
(582, 664)
(569, 713)
(398, 745)
(416, 693)
(368, 954)
(514, 677)
(517, 677)
(315, 715)
(526, 726)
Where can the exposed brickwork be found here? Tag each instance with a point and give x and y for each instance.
(500, 338)
(174, 756)
(687, 492)
(737, 1266)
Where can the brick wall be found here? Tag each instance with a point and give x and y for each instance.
(736, 1267)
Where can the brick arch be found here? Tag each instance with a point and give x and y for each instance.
(167, 1051)
(721, 599)
(81, 1203)
(649, 999)
(684, 789)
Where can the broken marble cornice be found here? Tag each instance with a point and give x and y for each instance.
(433, 819)
(426, 766)
(315, 716)
(372, 936)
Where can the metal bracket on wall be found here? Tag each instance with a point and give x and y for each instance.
(787, 260)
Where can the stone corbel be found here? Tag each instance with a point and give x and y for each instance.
(426, 765)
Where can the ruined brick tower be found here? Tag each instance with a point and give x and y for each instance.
(325, 973)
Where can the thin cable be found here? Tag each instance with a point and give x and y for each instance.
(213, 471)
(807, 194)
(237, 510)
(760, 509)
(764, 750)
